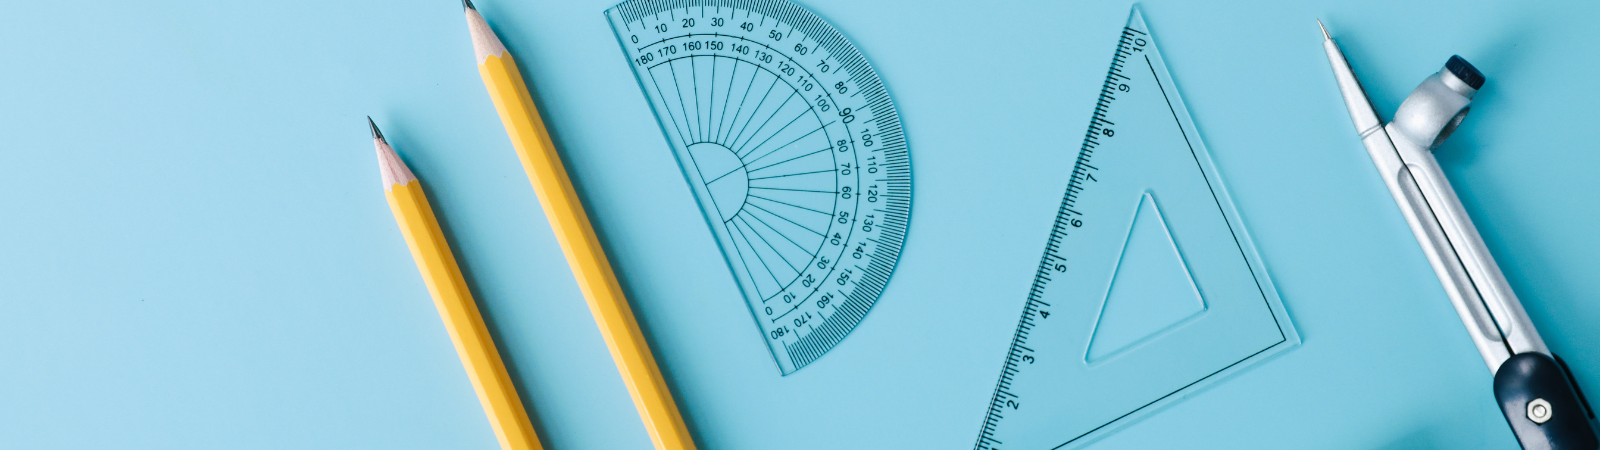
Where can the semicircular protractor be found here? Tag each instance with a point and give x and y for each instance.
(792, 148)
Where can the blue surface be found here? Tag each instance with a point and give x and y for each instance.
(197, 253)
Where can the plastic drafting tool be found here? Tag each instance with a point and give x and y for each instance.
(1149, 288)
(792, 148)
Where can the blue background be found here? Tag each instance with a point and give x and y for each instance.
(195, 251)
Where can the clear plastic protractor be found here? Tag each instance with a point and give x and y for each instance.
(793, 150)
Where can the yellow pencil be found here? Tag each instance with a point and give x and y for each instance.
(450, 294)
(584, 254)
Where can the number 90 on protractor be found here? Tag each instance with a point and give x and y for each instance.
(794, 152)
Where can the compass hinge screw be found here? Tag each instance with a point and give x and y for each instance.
(1539, 411)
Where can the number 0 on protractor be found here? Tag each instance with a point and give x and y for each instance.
(793, 150)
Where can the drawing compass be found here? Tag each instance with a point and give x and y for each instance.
(1535, 390)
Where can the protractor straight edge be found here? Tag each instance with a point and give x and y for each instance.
(1149, 288)
(794, 152)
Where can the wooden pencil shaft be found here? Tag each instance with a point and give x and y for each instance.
(459, 311)
(562, 207)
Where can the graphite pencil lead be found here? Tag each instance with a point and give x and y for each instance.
(1319, 26)
(468, 4)
(375, 133)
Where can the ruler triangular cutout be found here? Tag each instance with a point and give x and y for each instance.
(1149, 288)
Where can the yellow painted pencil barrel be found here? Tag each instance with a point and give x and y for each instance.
(456, 306)
(584, 254)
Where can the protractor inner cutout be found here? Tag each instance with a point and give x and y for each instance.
(793, 149)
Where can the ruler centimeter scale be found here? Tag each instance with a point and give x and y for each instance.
(794, 152)
(1148, 290)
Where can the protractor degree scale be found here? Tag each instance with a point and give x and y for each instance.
(794, 152)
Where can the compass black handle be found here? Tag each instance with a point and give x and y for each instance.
(1543, 405)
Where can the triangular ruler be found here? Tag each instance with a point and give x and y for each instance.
(1149, 258)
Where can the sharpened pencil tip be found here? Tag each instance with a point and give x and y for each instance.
(1319, 26)
(468, 5)
(375, 133)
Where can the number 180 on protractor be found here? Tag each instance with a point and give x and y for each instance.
(794, 152)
